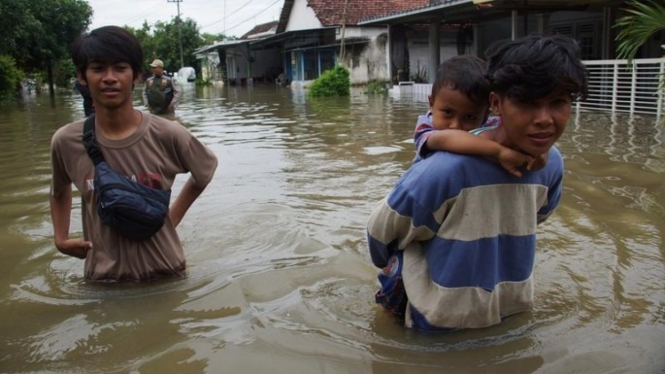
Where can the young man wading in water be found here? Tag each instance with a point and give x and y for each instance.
(139, 147)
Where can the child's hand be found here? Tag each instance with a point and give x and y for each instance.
(537, 163)
(512, 161)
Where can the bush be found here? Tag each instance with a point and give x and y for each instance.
(200, 82)
(10, 77)
(377, 87)
(333, 82)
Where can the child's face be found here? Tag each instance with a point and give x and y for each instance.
(532, 127)
(452, 109)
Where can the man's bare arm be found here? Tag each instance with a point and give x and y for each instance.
(61, 207)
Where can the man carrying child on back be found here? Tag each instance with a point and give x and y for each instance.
(456, 237)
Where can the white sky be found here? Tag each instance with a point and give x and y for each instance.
(212, 16)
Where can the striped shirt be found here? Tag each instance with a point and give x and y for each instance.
(467, 230)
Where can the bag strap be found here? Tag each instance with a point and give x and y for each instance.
(90, 142)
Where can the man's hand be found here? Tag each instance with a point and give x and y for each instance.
(74, 247)
(512, 161)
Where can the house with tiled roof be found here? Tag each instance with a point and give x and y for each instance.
(314, 35)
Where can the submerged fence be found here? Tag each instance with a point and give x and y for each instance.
(614, 86)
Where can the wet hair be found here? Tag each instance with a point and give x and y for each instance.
(535, 67)
(465, 73)
(108, 44)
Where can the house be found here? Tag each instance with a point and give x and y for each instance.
(314, 35)
(236, 62)
(421, 37)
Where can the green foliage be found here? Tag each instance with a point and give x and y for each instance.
(200, 82)
(37, 33)
(333, 82)
(645, 18)
(377, 87)
(420, 75)
(162, 41)
(63, 72)
(10, 76)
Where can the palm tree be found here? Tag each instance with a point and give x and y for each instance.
(645, 18)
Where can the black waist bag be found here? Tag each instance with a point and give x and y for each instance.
(132, 209)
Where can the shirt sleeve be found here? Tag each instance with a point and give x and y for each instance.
(397, 222)
(59, 177)
(422, 132)
(197, 159)
(554, 189)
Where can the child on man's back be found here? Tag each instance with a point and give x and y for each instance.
(460, 101)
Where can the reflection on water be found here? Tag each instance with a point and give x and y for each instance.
(279, 278)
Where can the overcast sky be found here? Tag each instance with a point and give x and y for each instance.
(213, 16)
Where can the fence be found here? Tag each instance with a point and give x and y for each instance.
(613, 86)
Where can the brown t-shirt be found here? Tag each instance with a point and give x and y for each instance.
(153, 155)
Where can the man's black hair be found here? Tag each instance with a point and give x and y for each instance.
(108, 44)
(535, 67)
(465, 73)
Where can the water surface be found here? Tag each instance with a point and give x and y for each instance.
(279, 278)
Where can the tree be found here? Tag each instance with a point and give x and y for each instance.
(645, 18)
(38, 33)
(167, 44)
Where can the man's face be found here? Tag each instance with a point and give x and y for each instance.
(158, 71)
(452, 109)
(532, 127)
(110, 84)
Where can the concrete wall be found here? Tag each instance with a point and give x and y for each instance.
(302, 17)
(367, 61)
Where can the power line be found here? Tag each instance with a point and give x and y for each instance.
(266, 8)
(225, 17)
(151, 10)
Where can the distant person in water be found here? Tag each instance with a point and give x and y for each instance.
(88, 105)
(161, 93)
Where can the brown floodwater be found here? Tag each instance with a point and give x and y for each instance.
(279, 277)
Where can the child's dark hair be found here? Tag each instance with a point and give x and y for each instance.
(108, 44)
(535, 67)
(465, 73)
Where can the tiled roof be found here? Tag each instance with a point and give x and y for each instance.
(394, 12)
(331, 12)
(258, 29)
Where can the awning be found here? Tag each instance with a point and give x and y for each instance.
(303, 35)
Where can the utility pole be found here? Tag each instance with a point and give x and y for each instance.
(182, 60)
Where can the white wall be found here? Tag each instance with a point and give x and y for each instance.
(302, 17)
(236, 62)
(369, 63)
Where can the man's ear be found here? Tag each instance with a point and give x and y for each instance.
(81, 78)
(495, 104)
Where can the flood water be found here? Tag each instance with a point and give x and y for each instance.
(279, 277)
